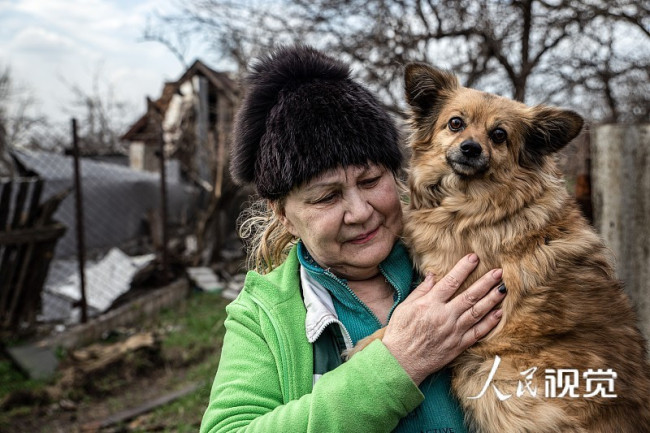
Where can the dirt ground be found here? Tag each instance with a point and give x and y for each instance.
(96, 387)
(67, 415)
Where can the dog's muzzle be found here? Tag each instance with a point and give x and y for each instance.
(468, 159)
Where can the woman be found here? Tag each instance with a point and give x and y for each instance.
(331, 270)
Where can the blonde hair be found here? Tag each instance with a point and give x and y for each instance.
(267, 240)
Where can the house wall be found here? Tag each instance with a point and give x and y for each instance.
(180, 102)
(136, 155)
(143, 157)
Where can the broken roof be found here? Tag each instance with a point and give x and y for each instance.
(220, 80)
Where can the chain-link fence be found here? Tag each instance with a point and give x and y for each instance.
(122, 227)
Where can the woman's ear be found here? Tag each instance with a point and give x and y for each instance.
(278, 209)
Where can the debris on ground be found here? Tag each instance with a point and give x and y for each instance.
(205, 279)
(36, 362)
(106, 280)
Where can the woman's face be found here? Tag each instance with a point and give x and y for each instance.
(348, 218)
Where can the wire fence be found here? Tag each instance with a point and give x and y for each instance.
(123, 228)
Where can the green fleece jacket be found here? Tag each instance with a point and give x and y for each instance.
(265, 376)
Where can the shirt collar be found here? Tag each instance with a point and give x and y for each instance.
(397, 268)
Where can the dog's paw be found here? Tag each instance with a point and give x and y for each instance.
(361, 344)
(349, 353)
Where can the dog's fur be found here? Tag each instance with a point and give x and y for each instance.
(507, 203)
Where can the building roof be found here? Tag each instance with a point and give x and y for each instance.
(220, 80)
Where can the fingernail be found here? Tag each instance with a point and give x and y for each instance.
(502, 288)
(498, 313)
(428, 275)
(497, 274)
(472, 258)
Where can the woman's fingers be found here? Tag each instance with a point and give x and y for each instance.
(447, 286)
(479, 298)
(481, 309)
(481, 329)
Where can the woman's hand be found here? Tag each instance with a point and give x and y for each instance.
(430, 329)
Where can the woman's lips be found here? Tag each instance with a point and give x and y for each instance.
(365, 237)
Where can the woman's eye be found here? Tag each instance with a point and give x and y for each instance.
(456, 124)
(498, 135)
(370, 182)
(325, 199)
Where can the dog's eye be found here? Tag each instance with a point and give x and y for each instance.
(498, 135)
(456, 123)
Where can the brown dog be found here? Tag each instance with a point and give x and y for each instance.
(483, 180)
(567, 355)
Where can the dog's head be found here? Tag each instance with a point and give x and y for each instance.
(467, 134)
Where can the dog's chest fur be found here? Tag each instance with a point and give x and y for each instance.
(501, 225)
(562, 297)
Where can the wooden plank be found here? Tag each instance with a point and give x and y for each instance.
(34, 201)
(6, 188)
(23, 299)
(9, 286)
(6, 276)
(127, 314)
(38, 234)
(16, 264)
(17, 308)
(36, 279)
(23, 189)
(129, 414)
(25, 245)
(5, 202)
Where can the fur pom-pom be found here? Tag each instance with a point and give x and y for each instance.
(302, 114)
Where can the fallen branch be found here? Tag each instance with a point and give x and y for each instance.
(128, 414)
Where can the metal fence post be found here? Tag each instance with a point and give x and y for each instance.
(81, 245)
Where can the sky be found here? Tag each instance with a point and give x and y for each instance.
(50, 45)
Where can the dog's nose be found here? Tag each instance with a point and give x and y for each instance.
(470, 149)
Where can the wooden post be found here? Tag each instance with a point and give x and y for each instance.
(163, 203)
(620, 173)
(156, 118)
(81, 244)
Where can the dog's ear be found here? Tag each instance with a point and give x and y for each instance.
(426, 89)
(550, 130)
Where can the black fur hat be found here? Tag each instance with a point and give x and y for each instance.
(302, 115)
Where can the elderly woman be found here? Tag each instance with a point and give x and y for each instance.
(330, 269)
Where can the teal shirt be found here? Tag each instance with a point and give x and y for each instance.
(440, 411)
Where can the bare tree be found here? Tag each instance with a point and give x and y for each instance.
(526, 49)
(102, 116)
(605, 72)
(6, 166)
(21, 126)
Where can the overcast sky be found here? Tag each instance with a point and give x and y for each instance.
(47, 43)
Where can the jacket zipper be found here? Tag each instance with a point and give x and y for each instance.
(349, 290)
(399, 292)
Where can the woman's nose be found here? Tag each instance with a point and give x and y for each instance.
(358, 209)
